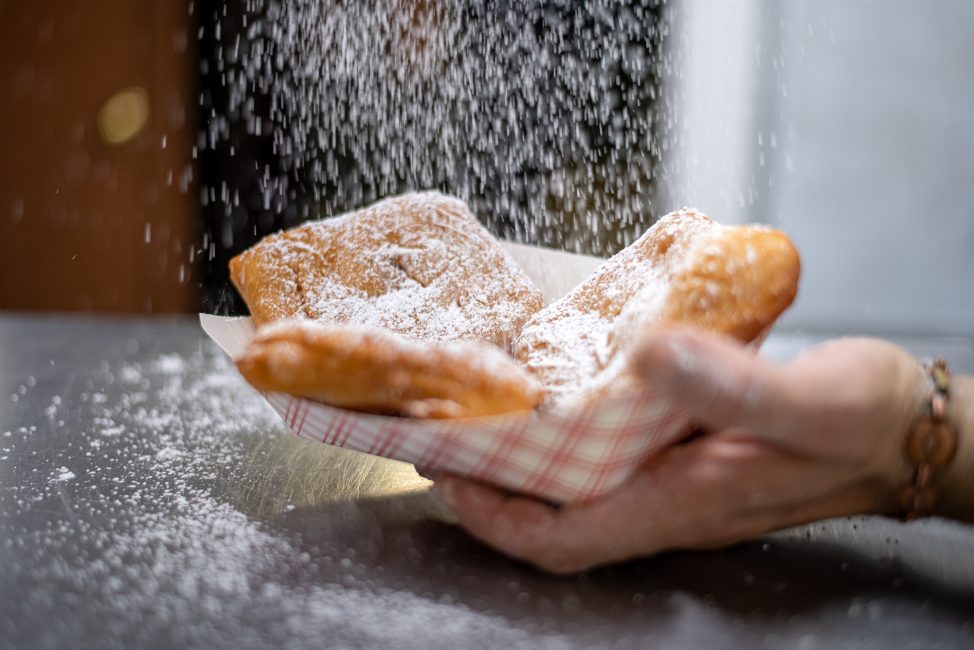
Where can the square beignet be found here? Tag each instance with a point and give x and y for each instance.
(418, 264)
(686, 269)
(406, 307)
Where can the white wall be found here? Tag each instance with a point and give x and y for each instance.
(865, 112)
(712, 84)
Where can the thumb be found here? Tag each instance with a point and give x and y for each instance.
(715, 379)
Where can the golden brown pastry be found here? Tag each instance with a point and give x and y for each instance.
(396, 308)
(418, 264)
(375, 370)
(685, 269)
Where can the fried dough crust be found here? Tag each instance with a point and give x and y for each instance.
(686, 269)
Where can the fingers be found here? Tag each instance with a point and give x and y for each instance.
(688, 497)
(515, 525)
(560, 540)
(707, 494)
(685, 497)
(717, 381)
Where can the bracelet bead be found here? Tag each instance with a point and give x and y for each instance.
(930, 445)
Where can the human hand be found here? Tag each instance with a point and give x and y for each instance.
(821, 436)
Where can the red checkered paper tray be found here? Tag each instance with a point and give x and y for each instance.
(560, 457)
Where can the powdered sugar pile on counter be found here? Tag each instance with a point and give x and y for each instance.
(170, 502)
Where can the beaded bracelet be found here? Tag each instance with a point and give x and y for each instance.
(930, 445)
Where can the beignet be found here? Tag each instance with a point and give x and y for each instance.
(686, 269)
(407, 307)
(375, 370)
(418, 264)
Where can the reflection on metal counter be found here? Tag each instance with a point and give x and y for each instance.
(148, 498)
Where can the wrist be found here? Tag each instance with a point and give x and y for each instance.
(956, 484)
(904, 391)
(912, 401)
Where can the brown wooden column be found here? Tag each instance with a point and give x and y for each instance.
(98, 209)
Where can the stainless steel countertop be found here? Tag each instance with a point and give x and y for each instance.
(148, 498)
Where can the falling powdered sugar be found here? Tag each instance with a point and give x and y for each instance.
(64, 474)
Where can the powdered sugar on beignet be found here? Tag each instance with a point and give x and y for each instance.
(419, 264)
(685, 269)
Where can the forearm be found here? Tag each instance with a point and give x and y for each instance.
(957, 484)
